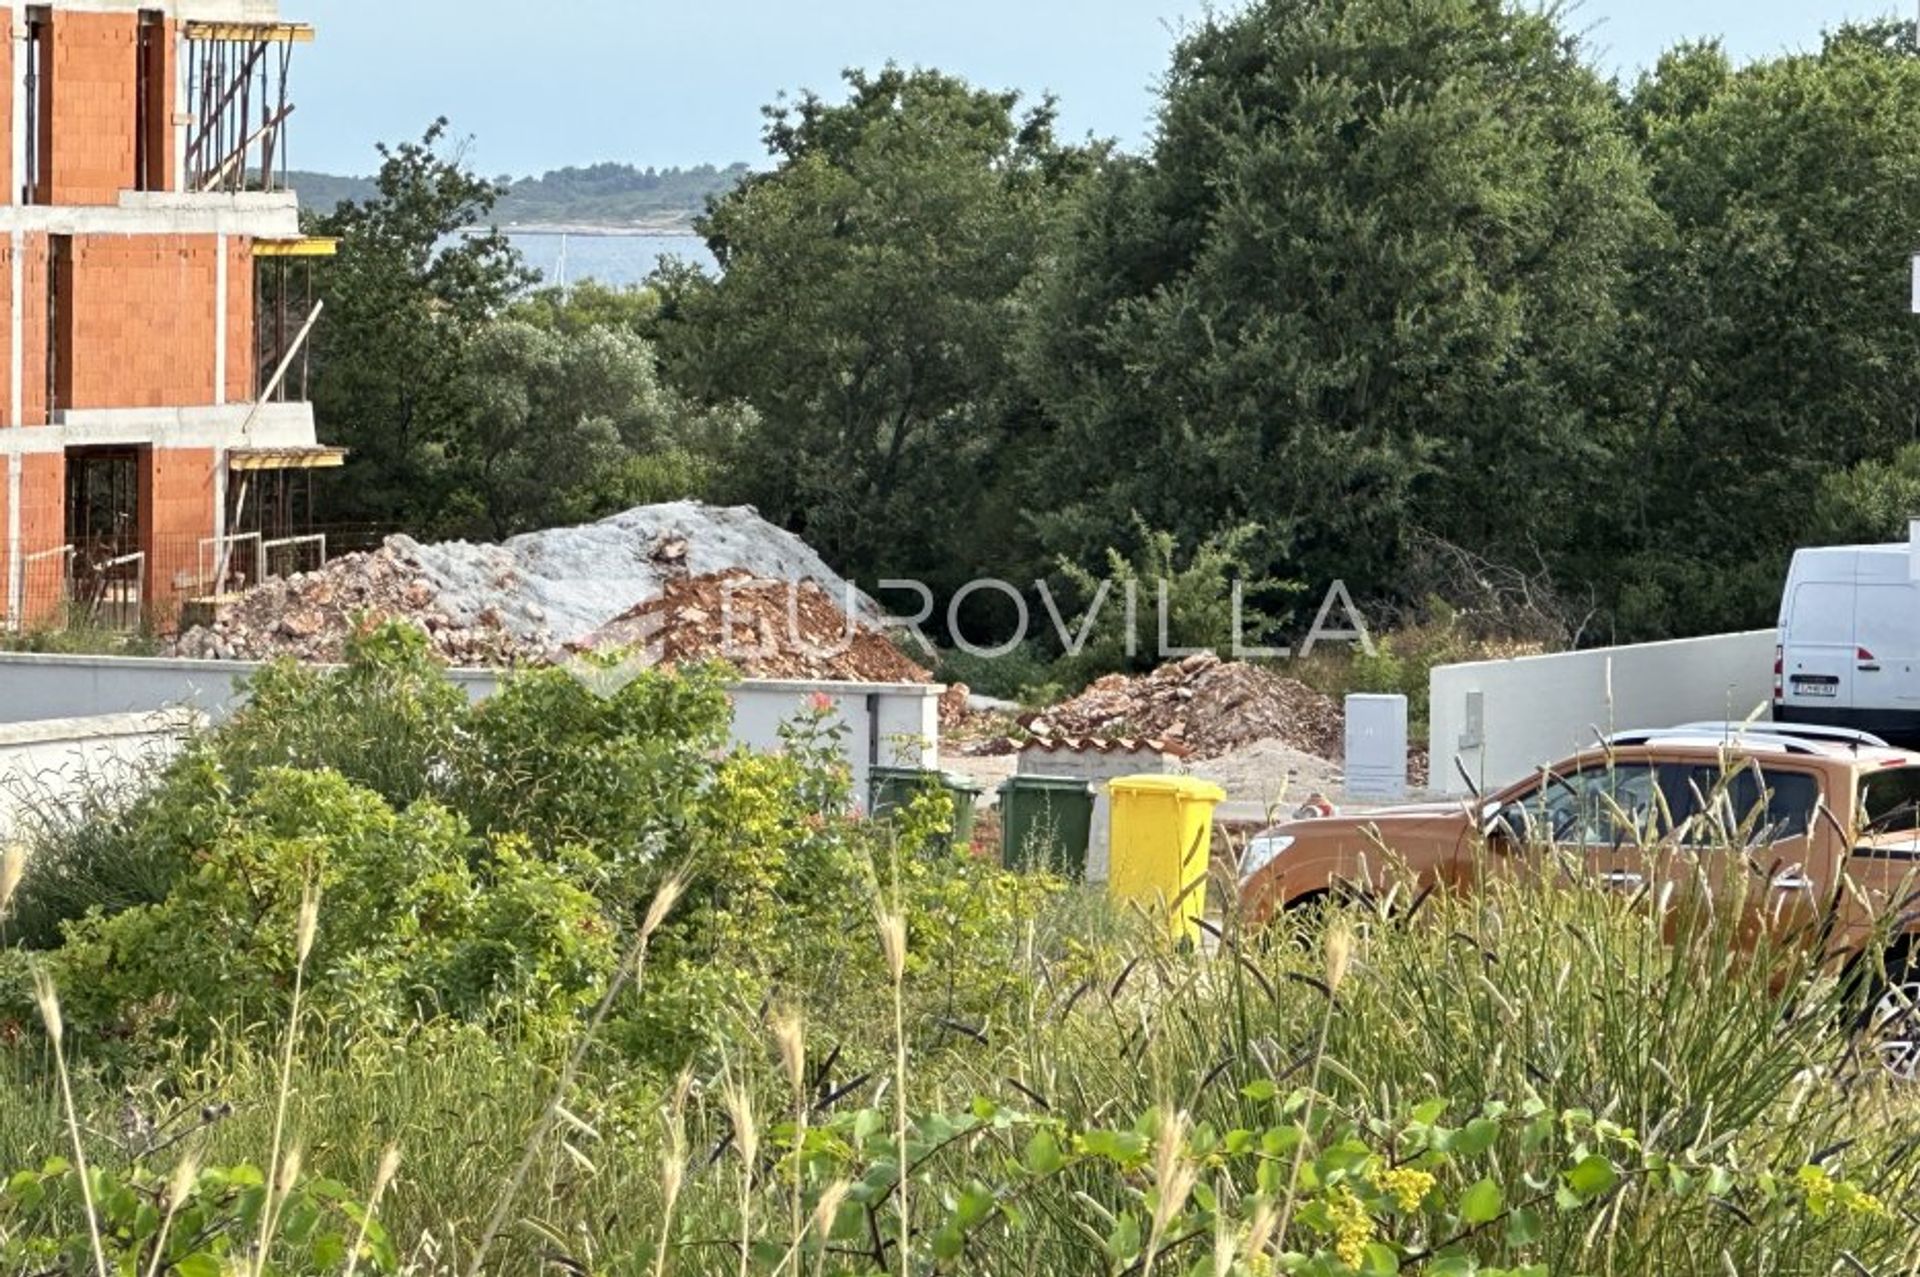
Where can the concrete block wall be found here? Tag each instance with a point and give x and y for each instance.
(47, 766)
(887, 724)
(1504, 720)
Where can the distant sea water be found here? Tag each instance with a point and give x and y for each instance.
(615, 259)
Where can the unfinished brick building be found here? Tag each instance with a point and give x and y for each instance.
(151, 394)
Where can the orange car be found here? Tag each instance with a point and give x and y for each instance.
(1811, 805)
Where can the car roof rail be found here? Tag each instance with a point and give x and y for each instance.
(1797, 731)
(1708, 736)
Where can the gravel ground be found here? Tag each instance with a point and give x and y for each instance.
(1272, 775)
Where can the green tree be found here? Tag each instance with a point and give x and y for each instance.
(570, 424)
(869, 285)
(404, 300)
(1367, 282)
(1871, 502)
(574, 308)
(1774, 345)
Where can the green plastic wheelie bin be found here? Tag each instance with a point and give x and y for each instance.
(1046, 824)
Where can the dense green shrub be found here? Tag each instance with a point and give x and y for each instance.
(419, 918)
(488, 863)
(607, 761)
(387, 719)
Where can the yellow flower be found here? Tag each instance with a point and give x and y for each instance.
(1352, 1226)
(1408, 1187)
(1858, 1200)
(1818, 1187)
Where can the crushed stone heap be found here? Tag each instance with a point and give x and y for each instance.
(565, 582)
(653, 574)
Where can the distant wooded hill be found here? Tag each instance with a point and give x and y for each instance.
(598, 195)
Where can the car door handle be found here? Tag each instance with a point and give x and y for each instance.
(1622, 879)
(1792, 880)
(1868, 669)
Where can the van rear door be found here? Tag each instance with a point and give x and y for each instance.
(1818, 653)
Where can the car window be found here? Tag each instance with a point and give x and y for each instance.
(1890, 801)
(1742, 805)
(1603, 805)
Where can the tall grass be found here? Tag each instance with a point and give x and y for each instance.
(1704, 1045)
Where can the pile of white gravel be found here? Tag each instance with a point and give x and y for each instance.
(564, 582)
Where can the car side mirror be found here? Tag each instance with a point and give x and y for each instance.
(1504, 823)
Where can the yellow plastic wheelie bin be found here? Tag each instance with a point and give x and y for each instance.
(1162, 839)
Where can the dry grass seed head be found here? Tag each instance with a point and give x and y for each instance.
(746, 1133)
(1174, 1173)
(389, 1167)
(48, 1000)
(1339, 953)
(893, 943)
(663, 902)
(790, 1035)
(1260, 1229)
(180, 1186)
(289, 1172)
(13, 867)
(828, 1207)
(309, 921)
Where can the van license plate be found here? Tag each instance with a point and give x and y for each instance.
(1817, 686)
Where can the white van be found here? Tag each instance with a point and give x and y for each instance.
(1849, 652)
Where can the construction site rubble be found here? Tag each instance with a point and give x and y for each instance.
(310, 617)
(1211, 706)
(765, 628)
(666, 580)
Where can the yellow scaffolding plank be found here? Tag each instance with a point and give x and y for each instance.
(321, 458)
(252, 32)
(310, 246)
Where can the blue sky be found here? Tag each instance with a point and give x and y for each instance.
(574, 81)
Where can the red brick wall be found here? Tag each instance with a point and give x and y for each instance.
(6, 341)
(33, 314)
(33, 329)
(92, 81)
(176, 511)
(9, 192)
(43, 526)
(138, 318)
(240, 349)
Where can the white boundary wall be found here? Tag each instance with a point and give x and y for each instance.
(1505, 719)
(57, 761)
(887, 724)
